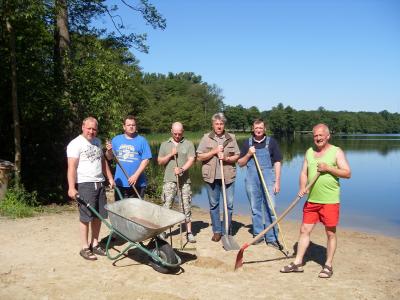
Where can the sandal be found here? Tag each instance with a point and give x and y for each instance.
(292, 268)
(86, 253)
(98, 250)
(326, 272)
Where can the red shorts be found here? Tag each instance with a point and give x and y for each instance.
(327, 214)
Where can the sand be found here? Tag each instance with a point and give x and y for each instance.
(39, 260)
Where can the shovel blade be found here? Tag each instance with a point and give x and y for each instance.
(229, 243)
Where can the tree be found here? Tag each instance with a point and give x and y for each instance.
(237, 117)
(252, 114)
(8, 13)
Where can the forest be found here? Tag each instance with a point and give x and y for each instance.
(57, 68)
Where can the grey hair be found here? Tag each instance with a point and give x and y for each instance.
(323, 126)
(218, 116)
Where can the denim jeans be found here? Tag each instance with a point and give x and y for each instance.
(261, 211)
(261, 214)
(214, 191)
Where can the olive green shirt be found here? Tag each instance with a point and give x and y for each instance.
(185, 150)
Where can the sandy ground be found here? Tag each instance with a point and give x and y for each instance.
(39, 260)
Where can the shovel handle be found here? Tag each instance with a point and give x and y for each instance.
(224, 196)
(268, 196)
(126, 174)
(180, 202)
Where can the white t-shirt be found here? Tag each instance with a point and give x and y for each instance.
(89, 155)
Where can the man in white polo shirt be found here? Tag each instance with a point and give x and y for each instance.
(86, 166)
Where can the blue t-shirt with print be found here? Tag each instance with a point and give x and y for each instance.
(130, 152)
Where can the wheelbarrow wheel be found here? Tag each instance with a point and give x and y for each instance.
(166, 253)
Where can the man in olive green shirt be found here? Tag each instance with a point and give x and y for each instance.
(177, 155)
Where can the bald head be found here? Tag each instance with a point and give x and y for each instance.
(177, 126)
(177, 131)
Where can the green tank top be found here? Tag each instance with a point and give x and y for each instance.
(326, 189)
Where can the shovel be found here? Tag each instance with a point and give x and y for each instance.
(286, 252)
(126, 174)
(228, 242)
(239, 257)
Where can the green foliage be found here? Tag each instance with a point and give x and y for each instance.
(105, 82)
(285, 121)
(179, 97)
(155, 176)
(18, 203)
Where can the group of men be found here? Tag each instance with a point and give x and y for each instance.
(218, 152)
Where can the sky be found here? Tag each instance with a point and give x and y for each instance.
(341, 55)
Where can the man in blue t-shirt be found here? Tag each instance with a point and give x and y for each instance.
(133, 152)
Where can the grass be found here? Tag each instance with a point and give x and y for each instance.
(18, 203)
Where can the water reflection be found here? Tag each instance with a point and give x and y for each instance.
(369, 199)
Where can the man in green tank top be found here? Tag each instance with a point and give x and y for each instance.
(323, 198)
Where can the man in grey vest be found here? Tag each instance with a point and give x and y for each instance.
(215, 146)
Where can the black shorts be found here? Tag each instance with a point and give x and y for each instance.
(95, 194)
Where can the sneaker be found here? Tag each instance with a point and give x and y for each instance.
(162, 235)
(190, 238)
(275, 244)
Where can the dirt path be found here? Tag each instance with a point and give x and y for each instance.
(39, 260)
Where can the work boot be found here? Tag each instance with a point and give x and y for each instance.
(190, 238)
(216, 237)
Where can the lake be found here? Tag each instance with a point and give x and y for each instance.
(370, 200)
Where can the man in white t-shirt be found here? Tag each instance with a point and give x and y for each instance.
(86, 166)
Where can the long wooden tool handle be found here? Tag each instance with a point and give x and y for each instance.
(180, 201)
(269, 200)
(287, 210)
(126, 174)
(178, 187)
(224, 196)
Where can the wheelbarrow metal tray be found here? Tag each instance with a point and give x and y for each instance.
(140, 220)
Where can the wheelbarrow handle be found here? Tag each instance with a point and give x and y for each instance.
(81, 200)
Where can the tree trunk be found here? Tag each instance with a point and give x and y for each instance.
(61, 41)
(61, 58)
(17, 127)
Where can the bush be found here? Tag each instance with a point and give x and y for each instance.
(155, 176)
(18, 203)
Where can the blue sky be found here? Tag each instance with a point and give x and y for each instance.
(342, 55)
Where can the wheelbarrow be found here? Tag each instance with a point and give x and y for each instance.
(136, 221)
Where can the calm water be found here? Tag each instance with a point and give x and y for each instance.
(370, 200)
